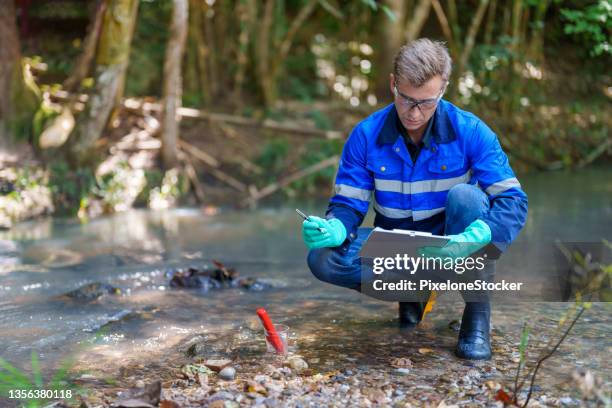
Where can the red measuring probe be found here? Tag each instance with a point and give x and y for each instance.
(272, 335)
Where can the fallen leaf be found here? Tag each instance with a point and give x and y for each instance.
(252, 386)
(503, 396)
(425, 350)
(217, 365)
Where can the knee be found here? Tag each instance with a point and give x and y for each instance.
(318, 262)
(466, 198)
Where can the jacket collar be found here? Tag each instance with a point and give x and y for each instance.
(439, 128)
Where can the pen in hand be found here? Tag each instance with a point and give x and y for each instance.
(307, 218)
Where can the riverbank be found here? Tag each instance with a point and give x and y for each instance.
(358, 361)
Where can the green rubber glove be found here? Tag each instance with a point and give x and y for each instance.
(333, 232)
(476, 236)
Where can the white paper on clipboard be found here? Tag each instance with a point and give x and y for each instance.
(389, 243)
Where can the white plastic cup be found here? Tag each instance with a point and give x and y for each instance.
(283, 332)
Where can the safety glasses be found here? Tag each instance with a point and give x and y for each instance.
(424, 104)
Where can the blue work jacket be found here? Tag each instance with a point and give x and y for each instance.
(458, 148)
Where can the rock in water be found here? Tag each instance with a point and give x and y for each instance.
(228, 373)
(91, 292)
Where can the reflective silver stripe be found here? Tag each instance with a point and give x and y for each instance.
(392, 212)
(423, 186)
(418, 215)
(353, 192)
(502, 186)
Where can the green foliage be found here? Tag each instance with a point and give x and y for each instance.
(315, 152)
(153, 179)
(593, 24)
(12, 380)
(145, 72)
(299, 85)
(173, 185)
(69, 187)
(273, 156)
(374, 6)
(321, 120)
(523, 344)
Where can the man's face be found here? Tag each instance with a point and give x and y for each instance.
(415, 117)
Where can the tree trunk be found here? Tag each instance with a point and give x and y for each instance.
(488, 36)
(470, 38)
(202, 50)
(391, 39)
(247, 10)
(112, 59)
(172, 82)
(270, 55)
(121, 89)
(419, 17)
(19, 98)
(212, 54)
(536, 41)
(262, 53)
(83, 64)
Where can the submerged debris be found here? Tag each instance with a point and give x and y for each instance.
(206, 278)
(91, 292)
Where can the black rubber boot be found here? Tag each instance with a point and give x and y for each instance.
(410, 313)
(474, 337)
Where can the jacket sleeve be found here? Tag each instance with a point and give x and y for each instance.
(353, 185)
(508, 202)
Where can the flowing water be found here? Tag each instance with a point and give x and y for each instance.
(43, 259)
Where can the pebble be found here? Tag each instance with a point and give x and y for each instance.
(297, 364)
(271, 402)
(228, 373)
(220, 395)
(284, 371)
(217, 404)
(217, 364)
(402, 371)
(261, 378)
(473, 373)
(272, 387)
